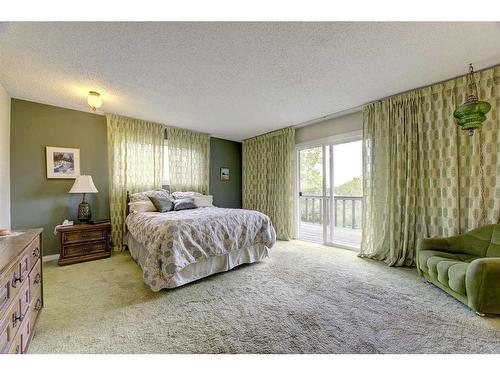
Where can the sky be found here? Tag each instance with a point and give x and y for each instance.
(347, 162)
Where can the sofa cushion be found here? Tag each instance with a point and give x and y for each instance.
(456, 277)
(442, 270)
(424, 255)
(432, 264)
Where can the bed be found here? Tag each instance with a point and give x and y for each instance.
(177, 247)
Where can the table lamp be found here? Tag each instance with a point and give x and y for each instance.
(84, 184)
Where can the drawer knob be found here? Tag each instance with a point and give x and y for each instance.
(16, 280)
(36, 252)
(38, 304)
(37, 278)
(16, 319)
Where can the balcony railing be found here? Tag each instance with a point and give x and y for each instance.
(347, 210)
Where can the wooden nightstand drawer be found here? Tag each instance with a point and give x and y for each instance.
(83, 242)
(84, 249)
(84, 236)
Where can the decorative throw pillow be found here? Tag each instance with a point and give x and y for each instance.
(143, 195)
(184, 204)
(203, 200)
(162, 203)
(185, 194)
(142, 206)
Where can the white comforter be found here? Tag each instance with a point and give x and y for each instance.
(176, 239)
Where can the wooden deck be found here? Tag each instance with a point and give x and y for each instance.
(314, 233)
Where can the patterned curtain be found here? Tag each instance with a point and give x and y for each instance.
(135, 159)
(269, 177)
(422, 173)
(188, 160)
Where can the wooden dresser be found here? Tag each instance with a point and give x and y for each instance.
(21, 289)
(83, 242)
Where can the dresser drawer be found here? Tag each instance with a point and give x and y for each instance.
(6, 292)
(15, 347)
(35, 307)
(16, 280)
(21, 290)
(14, 318)
(4, 336)
(83, 236)
(25, 332)
(9, 287)
(84, 249)
(24, 299)
(35, 278)
(33, 252)
(25, 266)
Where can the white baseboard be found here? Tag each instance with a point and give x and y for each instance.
(48, 258)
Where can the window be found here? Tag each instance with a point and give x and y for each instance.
(166, 175)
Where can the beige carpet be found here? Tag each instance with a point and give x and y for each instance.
(305, 298)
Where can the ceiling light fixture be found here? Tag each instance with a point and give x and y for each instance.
(471, 114)
(94, 100)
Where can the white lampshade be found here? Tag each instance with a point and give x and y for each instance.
(83, 184)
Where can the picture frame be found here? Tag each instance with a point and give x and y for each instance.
(224, 174)
(62, 162)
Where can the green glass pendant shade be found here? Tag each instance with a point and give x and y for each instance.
(471, 114)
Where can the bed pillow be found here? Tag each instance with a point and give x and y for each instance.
(161, 202)
(184, 204)
(203, 201)
(142, 206)
(143, 195)
(185, 194)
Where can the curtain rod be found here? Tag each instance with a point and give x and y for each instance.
(431, 84)
(269, 132)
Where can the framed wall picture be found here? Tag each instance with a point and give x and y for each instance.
(63, 162)
(224, 174)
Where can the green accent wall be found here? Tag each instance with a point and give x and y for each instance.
(224, 153)
(37, 201)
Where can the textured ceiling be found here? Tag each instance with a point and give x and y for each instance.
(235, 80)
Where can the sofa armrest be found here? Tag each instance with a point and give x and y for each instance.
(482, 282)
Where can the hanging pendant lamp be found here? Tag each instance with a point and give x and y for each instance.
(471, 114)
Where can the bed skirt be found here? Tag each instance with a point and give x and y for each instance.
(204, 267)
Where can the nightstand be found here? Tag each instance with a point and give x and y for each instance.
(83, 242)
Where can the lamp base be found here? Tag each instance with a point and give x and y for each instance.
(84, 213)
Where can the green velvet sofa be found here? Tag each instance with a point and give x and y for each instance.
(466, 266)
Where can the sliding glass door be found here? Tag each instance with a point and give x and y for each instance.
(311, 162)
(330, 192)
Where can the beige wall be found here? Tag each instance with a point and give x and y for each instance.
(4, 158)
(336, 126)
